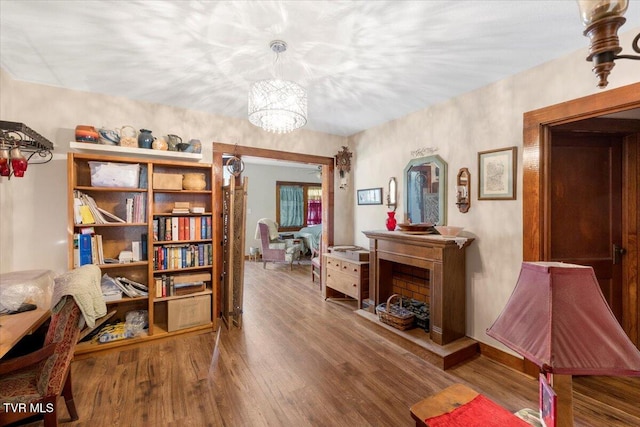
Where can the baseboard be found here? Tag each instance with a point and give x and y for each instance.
(521, 365)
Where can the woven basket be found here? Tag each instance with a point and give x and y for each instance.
(395, 315)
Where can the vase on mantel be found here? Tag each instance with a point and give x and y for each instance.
(391, 221)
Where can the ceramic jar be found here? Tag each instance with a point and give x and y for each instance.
(128, 137)
(145, 139)
(193, 181)
(160, 144)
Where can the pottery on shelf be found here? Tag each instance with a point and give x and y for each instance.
(173, 141)
(128, 137)
(160, 144)
(193, 181)
(87, 134)
(145, 139)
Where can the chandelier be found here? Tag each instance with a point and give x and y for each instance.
(277, 105)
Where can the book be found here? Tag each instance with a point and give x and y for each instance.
(86, 217)
(197, 209)
(110, 215)
(175, 227)
(84, 245)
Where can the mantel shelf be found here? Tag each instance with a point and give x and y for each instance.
(135, 152)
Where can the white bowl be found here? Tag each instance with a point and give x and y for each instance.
(448, 231)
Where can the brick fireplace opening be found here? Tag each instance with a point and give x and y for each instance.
(410, 282)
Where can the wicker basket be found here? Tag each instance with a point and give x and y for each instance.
(395, 315)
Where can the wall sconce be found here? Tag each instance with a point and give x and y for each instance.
(392, 194)
(343, 164)
(15, 140)
(602, 20)
(463, 190)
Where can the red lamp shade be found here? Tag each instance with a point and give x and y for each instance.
(558, 318)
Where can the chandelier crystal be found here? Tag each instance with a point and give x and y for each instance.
(277, 105)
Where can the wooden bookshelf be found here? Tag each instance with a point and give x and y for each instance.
(117, 236)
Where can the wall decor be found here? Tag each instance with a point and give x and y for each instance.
(392, 194)
(370, 196)
(343, 165)
(497, 174)
(463, 190)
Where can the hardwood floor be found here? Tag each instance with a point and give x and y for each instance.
(301, 361)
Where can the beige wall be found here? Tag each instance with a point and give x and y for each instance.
(486, 119)
(33, 210)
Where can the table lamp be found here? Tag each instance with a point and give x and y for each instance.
(558, 318)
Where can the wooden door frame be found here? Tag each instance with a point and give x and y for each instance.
(328, 165)
(536, 134)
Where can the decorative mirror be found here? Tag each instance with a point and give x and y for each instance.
(391, 194)
(426, 190)
(463, 188)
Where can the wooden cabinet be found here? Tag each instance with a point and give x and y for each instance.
(189, 253)
(343, 276)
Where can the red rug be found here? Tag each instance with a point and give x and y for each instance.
(480, 412)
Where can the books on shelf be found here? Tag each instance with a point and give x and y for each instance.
(180, 284)
(87, 211)
(87, 249)
(177, 228)
(171, 257)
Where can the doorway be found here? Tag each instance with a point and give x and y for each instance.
(327, 171)
(600, 129)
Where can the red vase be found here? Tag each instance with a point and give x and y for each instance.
(391, 221)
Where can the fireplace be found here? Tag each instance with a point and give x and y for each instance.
(427, 266)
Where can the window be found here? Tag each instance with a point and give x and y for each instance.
(298, 204)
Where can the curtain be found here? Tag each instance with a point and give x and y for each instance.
(291, 206)
(314, 206)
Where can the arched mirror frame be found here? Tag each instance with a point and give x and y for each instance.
(442, 187)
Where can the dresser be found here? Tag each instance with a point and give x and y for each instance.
(343, 276)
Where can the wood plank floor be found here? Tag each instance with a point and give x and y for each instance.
(301, 361)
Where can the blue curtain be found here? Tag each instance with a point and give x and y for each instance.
(291, 206)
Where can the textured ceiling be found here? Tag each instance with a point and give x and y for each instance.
(362, 62)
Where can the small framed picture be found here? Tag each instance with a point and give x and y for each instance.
(548, 402)
(370, 196)
(497, 174)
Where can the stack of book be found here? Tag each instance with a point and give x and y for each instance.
(180, 284)
(180, 208)
(87, 248)
(86, 211)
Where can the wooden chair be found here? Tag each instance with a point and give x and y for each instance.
(38, 378)
(277, 251)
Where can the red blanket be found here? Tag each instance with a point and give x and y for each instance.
(480, 412)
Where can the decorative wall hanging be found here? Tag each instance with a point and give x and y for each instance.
(463, 190)
(424, 151)
(370, 196)
(497, 174)
(392, 194)
(234, 164)
(343, 164)
(17, 139)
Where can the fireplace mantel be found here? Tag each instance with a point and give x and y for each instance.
(445, 260)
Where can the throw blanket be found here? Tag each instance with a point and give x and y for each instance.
(273, 228)
(83, 285)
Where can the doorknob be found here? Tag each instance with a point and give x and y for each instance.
(618, 251)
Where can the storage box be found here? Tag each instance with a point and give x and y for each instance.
(106, 174)
(167, 181)
(188, 312)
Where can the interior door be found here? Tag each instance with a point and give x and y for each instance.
(585, 188)
(234, 201)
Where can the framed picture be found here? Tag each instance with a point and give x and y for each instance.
(370, 196)
(497, 174)
(548, 402)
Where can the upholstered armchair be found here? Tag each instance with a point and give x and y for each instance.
(38, 378)
(277, 250)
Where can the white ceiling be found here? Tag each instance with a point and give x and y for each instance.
(362, 62)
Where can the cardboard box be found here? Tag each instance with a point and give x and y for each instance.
(167, 181)
(188, 312)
